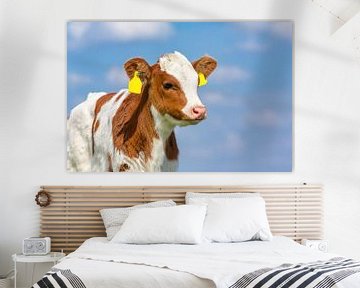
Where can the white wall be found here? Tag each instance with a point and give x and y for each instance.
(33, 95)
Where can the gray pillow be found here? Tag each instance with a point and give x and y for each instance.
(113, 218)
(204, 198)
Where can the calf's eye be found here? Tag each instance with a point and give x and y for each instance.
(168, 86)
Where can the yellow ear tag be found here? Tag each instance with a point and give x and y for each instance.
(135, 84)
(202, 79)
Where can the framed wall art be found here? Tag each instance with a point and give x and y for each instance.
(179, 96)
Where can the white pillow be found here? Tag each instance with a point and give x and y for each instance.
(236, 220)
(180, 224)
(204, 198)
(113, 218)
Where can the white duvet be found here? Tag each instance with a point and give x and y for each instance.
(100, 263)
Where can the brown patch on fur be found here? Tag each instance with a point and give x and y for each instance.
(110, 169)
(99, 103)
(133, 127)
(124, 167)
(171, 148)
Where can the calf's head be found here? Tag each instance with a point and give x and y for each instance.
(171, 85)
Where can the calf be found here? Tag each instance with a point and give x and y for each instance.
(125, 131)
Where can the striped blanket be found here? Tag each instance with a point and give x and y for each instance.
(59, 278)
(319, 274)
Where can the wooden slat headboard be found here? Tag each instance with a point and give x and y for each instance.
(73, 215)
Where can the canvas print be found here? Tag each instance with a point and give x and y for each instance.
(179, 96)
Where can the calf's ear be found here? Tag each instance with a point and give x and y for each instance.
(139, 65)
(205, 65)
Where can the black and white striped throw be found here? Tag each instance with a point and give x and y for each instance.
(59, 278)
(320, 274)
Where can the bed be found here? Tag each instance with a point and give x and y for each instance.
(293, 210)
(99, 263)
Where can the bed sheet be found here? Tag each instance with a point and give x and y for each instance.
(100, 263)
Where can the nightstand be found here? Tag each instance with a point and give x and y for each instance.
(320, 245)
(53, 257)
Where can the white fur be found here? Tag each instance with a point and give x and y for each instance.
(180, 67)
(103, 139)
(163, 127)
(79, 127)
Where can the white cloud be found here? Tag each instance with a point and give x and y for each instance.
(265, 117)
(282, 29)
(127, 31)
(252, 45)
(256, 26)
(233, 142)
(217, 98)
(213, 98)
(83, 33)
(78, 29)
(78, 79)
(228, 73)
(117, 76)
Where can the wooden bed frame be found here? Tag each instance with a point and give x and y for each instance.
(73, 214)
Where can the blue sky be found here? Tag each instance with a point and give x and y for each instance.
(249, 96)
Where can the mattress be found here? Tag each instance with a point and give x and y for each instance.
(99, 263)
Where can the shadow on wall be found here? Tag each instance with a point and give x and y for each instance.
(22, 50)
